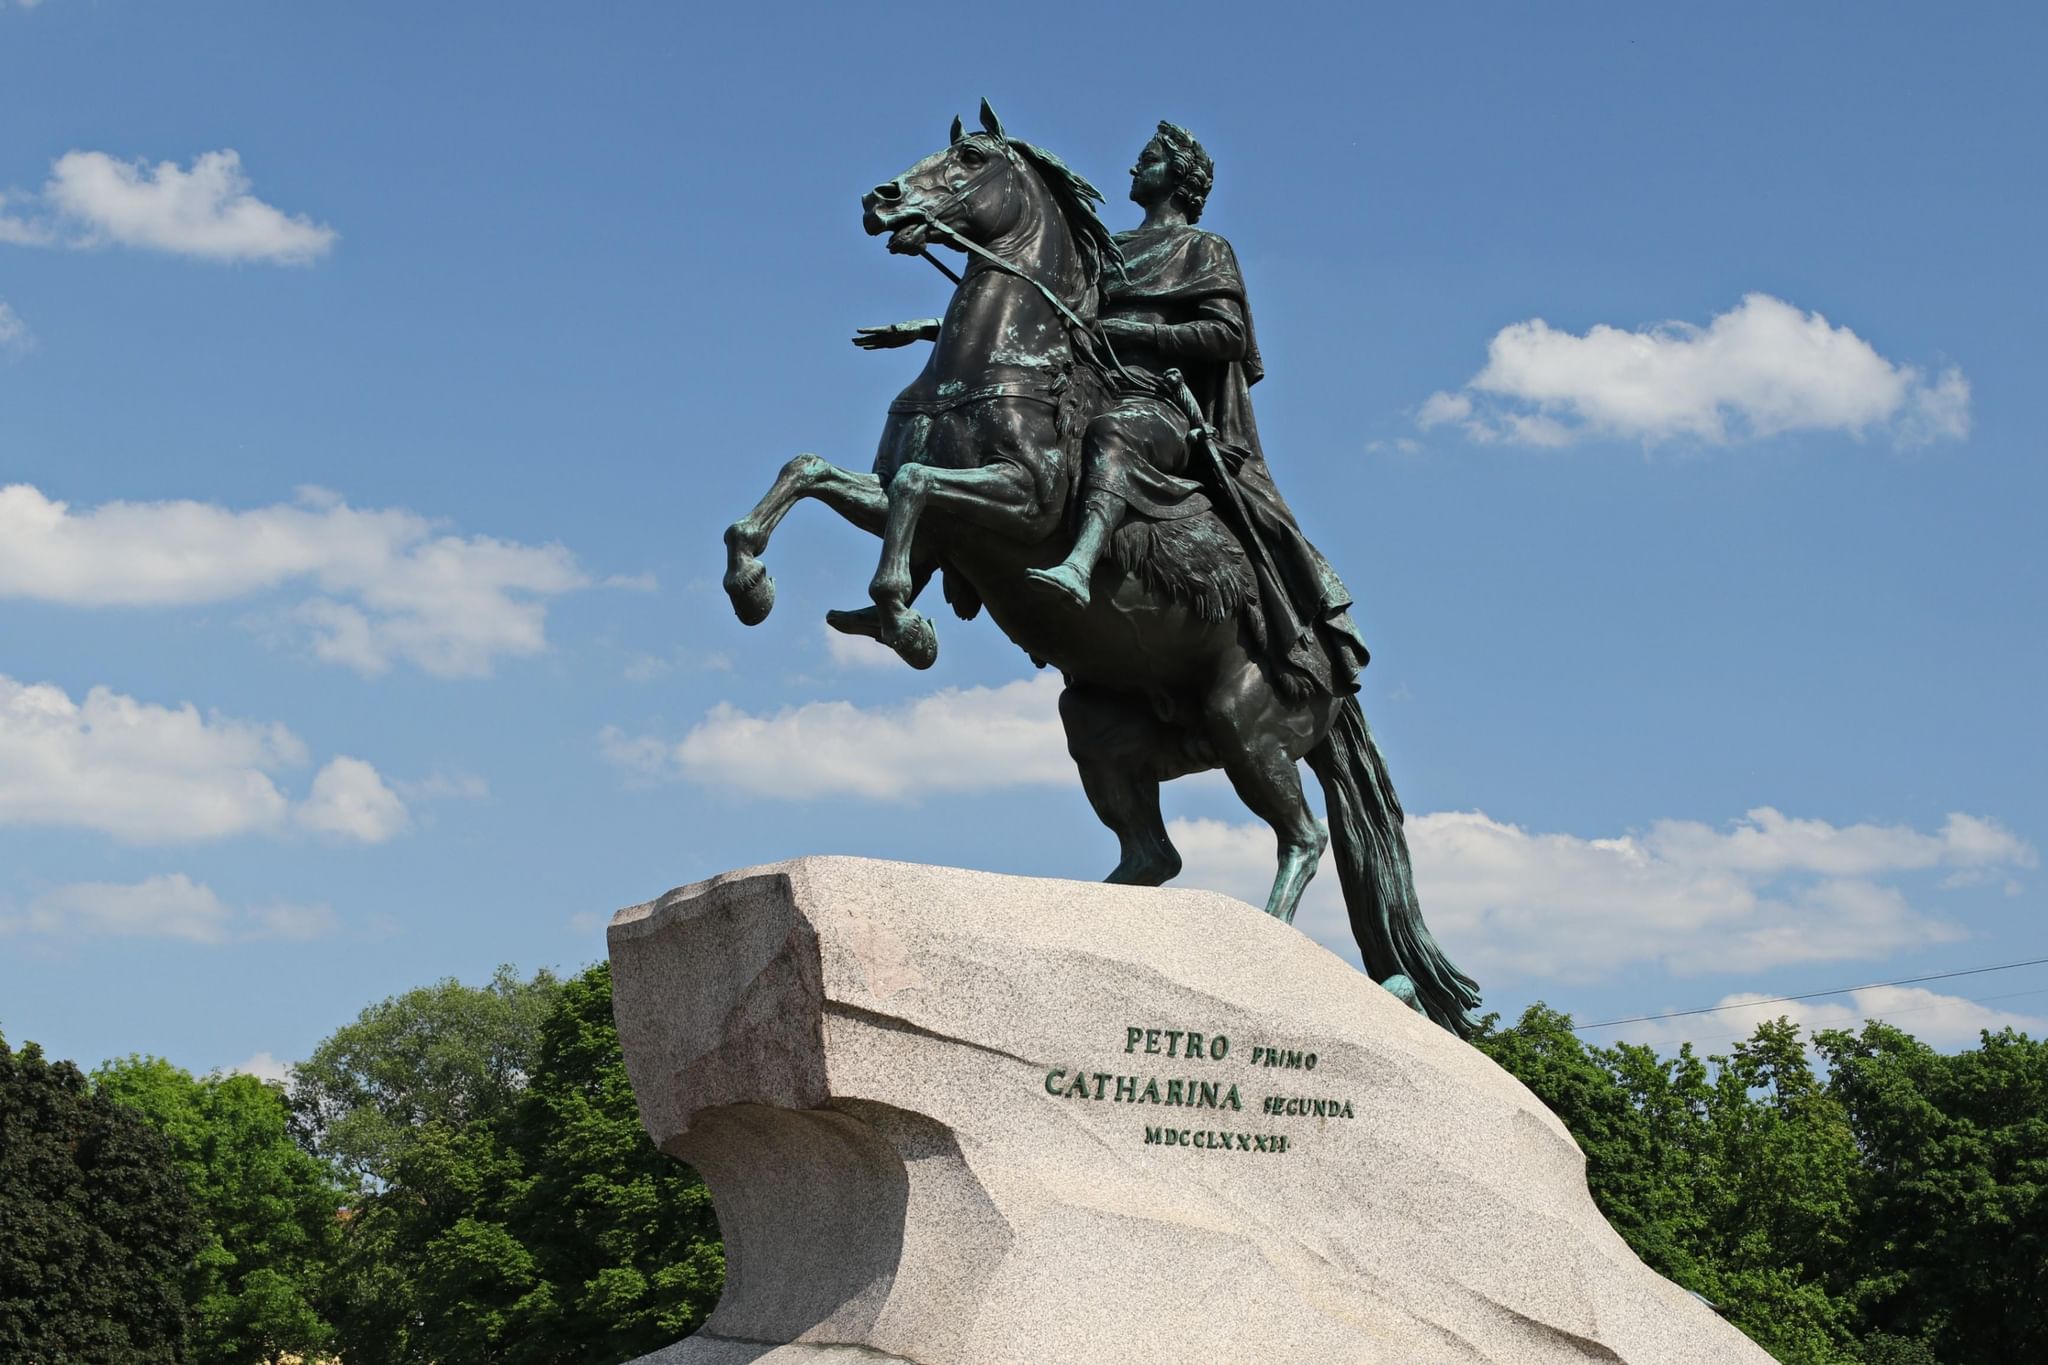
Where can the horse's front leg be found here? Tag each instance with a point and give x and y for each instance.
(857, 497)
(1001, 497)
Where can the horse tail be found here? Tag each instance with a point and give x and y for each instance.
(1379, 886)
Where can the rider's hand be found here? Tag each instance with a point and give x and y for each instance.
(1124, 329)
(894, 335)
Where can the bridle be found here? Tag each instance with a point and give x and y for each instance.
(932, 222)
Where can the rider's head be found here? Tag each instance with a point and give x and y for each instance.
(1193, 171)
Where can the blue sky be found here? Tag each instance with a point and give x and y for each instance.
(375, 382)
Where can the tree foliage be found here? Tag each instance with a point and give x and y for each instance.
(1953, 1195)
(1853, 1199)
(545, 1228)
(440, 1056)
(1887, 1212)
(266, 1209)
(96, 1225)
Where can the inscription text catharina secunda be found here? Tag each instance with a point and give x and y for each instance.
(1197, 1092)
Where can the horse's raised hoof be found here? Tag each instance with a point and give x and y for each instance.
(915, 641)
(746, 578)
(1061, 581)
(863, 621)
(751, 589)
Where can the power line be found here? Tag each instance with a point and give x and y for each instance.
(1809, 995)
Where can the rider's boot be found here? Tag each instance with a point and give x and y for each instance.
(1069, 577)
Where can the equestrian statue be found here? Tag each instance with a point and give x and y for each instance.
(1078, 458)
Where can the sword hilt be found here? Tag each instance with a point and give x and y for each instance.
(1192, 405)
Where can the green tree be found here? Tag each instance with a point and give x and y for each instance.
(267, 1209)
(443, 1056)
(96, 1225)
(1891, 1211)
(1783, 1215)
(409, 1103)
(624, 1237)
(1952, 1250)
(548, 1231)
(1641, 1122)
(1731, 1176)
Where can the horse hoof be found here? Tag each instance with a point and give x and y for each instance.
(1403, 990)
(917, 644)
(864, 621)
(751, 589)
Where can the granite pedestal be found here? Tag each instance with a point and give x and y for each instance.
(955, 1118)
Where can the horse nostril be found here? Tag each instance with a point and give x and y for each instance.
(889, 191)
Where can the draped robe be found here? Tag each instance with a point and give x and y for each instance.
(1183, 293)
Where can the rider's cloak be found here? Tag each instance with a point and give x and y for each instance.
(1187, 284)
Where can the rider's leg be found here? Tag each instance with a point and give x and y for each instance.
(1120, 446)
(1101, 514)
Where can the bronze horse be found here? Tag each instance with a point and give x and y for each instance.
(974, 474)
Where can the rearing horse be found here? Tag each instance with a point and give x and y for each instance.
(973, 474)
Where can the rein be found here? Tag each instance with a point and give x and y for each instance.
(976, 248)
(930, 217)
(1094, 334)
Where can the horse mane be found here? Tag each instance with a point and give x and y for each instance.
(1077, 200)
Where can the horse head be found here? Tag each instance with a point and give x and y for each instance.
(978, 187)
(983, 185)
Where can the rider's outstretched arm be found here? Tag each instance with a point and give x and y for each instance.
(896, 334)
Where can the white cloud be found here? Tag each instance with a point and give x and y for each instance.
(1767, 891)
(1763, 368)
(388, 585)
(171, 906)
(264, 1067)
(155, 774)
(14, 333)
(1942, 1021)
(1766, 842)
(641, 755)
(161, 907)
(960, 739)
(349, 800)
(1440, 408)
(20, 231)
(208, 211)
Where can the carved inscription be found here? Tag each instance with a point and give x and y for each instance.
(1204, 1090)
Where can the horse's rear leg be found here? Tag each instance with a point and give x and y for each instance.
(1000, 497)
(1124, 753)
(857, 497)
(1259, 737)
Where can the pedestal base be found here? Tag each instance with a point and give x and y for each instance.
(954, 1118)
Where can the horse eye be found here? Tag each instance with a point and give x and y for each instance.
(972, 156)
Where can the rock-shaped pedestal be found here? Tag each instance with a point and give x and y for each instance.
(955, 1118)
